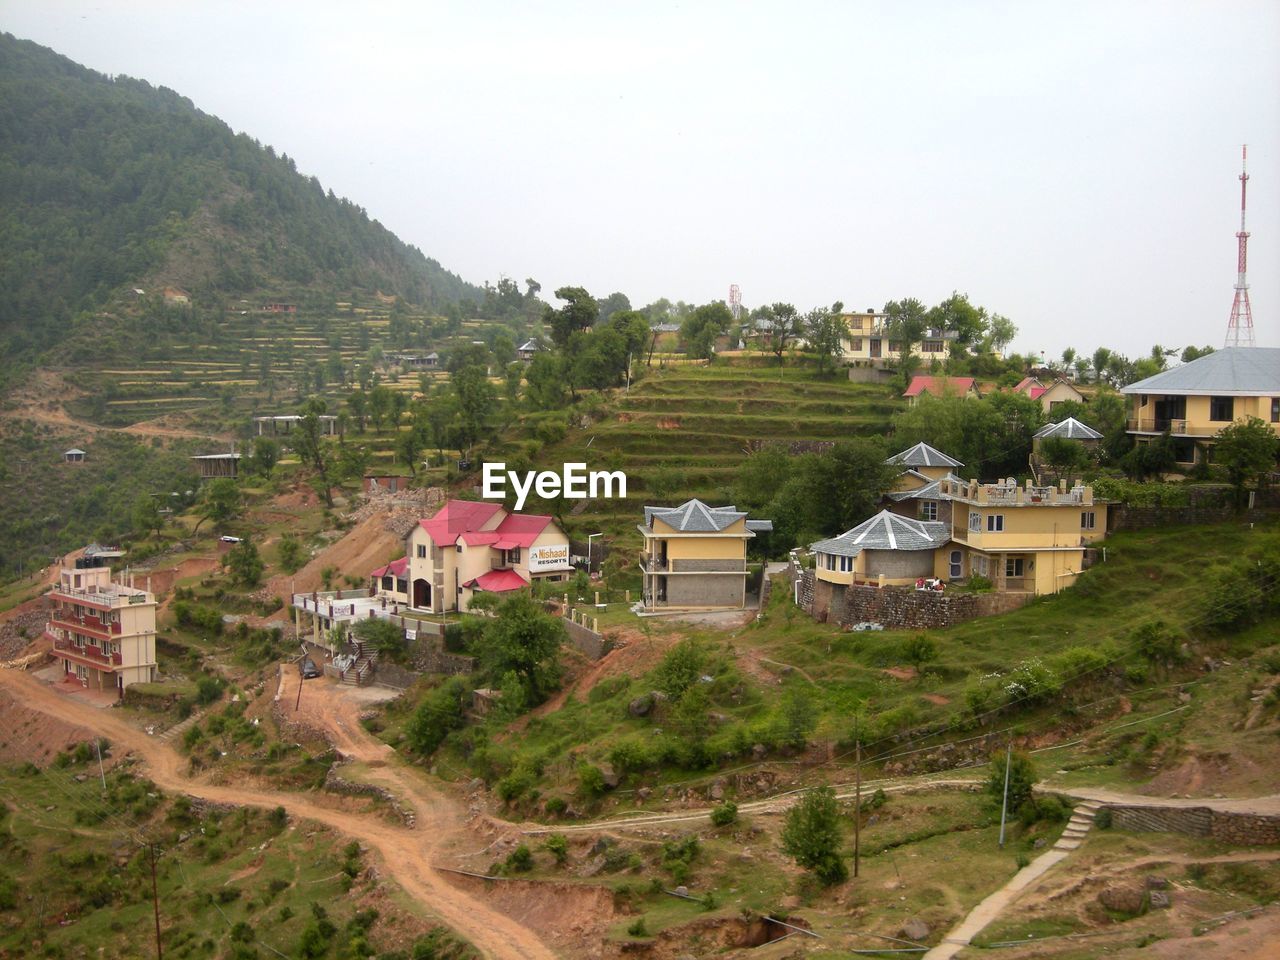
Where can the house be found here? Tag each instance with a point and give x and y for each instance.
(1192, 402)
(284, 423)
(1068, 429)
(1059, 392)
(695, 556)
(213, 465)
(922, 464)
(176, 297)
(392, 582)
(279, 308)
(470, 547)
(885, 550)
(74, 455)
(103, 632)
(940, 387)
(1029, 539)
(866, 342)
(529, 348)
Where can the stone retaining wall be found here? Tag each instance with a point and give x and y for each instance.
(1244, 829)
(1126, 517)
(900, 607)
(335, 783)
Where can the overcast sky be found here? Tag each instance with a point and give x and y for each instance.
(1071, 165)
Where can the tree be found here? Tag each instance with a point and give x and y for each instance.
(244, 564)
(1101, 357)
(440, 712)
(146, 517)
(612, 304)
(1068, 358)
(918, 651)
(310, 446)
(826, 330)
(1156, 643)
(1001, 331)
(290, 553)
(578, 314)
(1195, 353)
(957, 314)
(702, 326)
(812, 836)
(266, 453)
(219, 503)
(905, 323)
(783, 325)
(522, 638)
(1247, 450)
(383, 636)
(545, 382)
(475, 399)
(1022, 779)
(798, 717)
(680, 668)
(1064, 457)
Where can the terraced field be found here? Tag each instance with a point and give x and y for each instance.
(684, 431)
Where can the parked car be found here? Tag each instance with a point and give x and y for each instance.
(308, 669)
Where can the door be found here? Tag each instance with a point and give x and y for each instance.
(956, 564)
(421, 594)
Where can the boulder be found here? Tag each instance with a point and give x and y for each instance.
(610, 775)
(593, 866)
(915, 929)
(1159, 900)
(641, 706)
(681, 891)
(717, 790)
(1128, 899)
(1157, 883)
(759, 751)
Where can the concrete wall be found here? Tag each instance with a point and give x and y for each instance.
(587, 641)
(721, 563)
(899, 564)
(706, 590)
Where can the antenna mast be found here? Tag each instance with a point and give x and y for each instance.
(1240, 326)
(735, 301)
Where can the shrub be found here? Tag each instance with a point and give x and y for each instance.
(208, 689)
(812, 836)
(590, 780)
(631, 753)
(520, 859)
(1022, 777)
(558, 846)
(638, 929)
(556, 805)
(724, 814)
(515, 784)
(680, 668)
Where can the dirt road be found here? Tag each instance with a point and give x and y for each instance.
(406, 854)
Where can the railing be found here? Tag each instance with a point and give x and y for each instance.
(111, 597)
(74, 624)
(1177, 427)
(89, 652)
(650, 564)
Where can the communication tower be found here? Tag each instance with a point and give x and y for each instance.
(1240, 326)
(735, 301)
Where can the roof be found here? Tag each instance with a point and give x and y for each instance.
(666, 327)
(1068, 429)
(939, 386)
(74, 450)
(531, 344)
(520, 530)
(498, 581)
(457, 517)
(1027, 384)
(923, 455)
(396, 568)
(217, 456)
(760, 526)
(694, 516)
(930, 491)
(1247, 371)
(886, 531)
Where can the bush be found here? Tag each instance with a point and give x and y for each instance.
(515, 784)
(208, 689)
(590, 780)
(520, 859)
(724, 814)
(812, 836)
(556, 806)
(638, 929)
(680, 668)
(558, 846)
(1022, 778)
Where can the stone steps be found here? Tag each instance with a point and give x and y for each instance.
(1078, 826)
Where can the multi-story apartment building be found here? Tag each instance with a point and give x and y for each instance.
(695, 556)
(103, 632)
(867, 342)
(1192, 402)
(472, 546)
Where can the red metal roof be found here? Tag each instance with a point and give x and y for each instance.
(457, 517)
(396, 568)
(521, 529)
(939, 386)
(499, 581)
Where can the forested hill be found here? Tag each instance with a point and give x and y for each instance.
(111, 183)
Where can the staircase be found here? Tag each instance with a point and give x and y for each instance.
(361, 670)
(1080, 823)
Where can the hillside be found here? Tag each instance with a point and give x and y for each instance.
(111, 184)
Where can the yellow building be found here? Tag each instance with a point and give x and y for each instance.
(103, 632)
(472, 546)
(1194, 401)
(695, 556)
(1024, 539)
(866, 342)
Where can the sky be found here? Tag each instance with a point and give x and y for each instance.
(1072, 166)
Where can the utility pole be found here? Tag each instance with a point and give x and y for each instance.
(857, 799)
(98, 745)
(297, 703)
(1004, 804)
(155, 899)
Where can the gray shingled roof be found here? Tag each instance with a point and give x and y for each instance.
(886, 531)
(1251, 371)
(930, 491)
(923, 455)
(694, 516)
(1068, 429)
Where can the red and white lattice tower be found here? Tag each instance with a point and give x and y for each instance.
(735, 301)
(1240, 326)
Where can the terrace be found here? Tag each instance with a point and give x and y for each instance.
(1008, 493)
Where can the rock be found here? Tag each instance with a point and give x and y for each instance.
(80, 778)
(1039, 844)
(475, 785)
(915, 929)
(682, 891)
(643, 793)
(1157, 883)
(759, 751)
(641, 706)
(717, 790)
(1159, 900)
(1184, 697)
(610, 775)
(593, 866)
(1124, 898)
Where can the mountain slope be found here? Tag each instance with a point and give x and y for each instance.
(111, 183)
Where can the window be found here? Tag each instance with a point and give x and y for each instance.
(1144, 399)
(995, 523)
(929, 510)
(931, 346)
(388, 582)
(975, 521)
(1013, 567)
(1275, 409)
(513, 555)
(895, 346)
(855, 344)
(422, 551)
(1088, 520)
(846, 564)
(1222, 408)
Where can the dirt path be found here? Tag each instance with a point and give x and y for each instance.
(407, 854)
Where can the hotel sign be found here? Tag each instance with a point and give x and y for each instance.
(552, 556)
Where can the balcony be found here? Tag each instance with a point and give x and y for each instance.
(651, 564)
(88, 652)
(87, 625)
(1178, 428)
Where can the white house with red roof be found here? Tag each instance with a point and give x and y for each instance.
(940, 387)
(472, 546)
